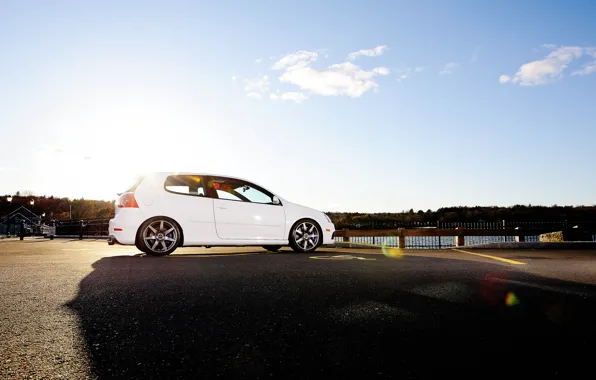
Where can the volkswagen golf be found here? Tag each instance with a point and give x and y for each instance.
(164, 211)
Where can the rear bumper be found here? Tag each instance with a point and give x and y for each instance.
(124, 226)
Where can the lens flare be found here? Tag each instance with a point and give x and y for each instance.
(394, 253)
(511, 299)
(389, 250)
(493, 287)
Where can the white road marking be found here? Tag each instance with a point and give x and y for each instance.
(339, 257)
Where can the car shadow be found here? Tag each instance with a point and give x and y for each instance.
(276, 316)
(209, 254)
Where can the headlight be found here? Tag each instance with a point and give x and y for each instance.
(328, 218)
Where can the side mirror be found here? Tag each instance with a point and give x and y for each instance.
(276, 200)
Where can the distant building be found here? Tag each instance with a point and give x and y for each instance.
(11, 224)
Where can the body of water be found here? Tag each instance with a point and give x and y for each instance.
(428, 242)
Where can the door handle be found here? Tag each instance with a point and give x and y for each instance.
(222, 208)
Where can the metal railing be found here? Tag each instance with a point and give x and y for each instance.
(434, 238)
(486, 225)
(430, 242)
(421, 235)
(83, 228)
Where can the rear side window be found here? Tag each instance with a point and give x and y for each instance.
(185, 184)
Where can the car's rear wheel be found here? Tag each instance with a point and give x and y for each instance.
(305, 236)
(272, 248)
(158, 236)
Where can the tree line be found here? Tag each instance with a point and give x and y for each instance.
(60, 209)
(463, 214)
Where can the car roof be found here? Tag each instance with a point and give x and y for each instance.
(167, 174)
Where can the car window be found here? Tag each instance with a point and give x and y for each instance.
(237, 190)
(254, 195)
(185, 184)
(225, 195)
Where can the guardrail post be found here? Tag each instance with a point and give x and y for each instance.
(402, 238)
(346, 236)
(460, 240)
(519, 238)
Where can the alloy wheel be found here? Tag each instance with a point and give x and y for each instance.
(306, 236)
(160, 236)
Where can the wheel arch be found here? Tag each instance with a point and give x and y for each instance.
(300, 220)
(159, 217)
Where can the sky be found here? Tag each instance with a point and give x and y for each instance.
(369, 106)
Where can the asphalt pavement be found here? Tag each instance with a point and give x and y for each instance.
(72, 309)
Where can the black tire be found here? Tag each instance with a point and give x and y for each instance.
(140, 247)
(272, 248)
(158, 236)
(313, 233)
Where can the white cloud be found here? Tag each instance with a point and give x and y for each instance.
(367, 52)
(339, 79)
(300, 57)
(406, 73)
(258, 60)
(258, 84)
(449, 68)
(234, 77)
(295, 96)
(297, 69)
(504, 79)
(588, 68)
(550, 68)
(381, 70)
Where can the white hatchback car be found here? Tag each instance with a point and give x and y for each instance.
(163, 211)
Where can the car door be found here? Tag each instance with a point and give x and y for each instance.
(185, 200)
(244, 211)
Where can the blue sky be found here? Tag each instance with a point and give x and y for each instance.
(439, 104)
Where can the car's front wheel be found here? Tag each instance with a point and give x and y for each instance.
(305, 236)
(158, 236)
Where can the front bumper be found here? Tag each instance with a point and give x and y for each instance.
(328, 231)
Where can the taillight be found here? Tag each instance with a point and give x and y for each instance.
(128, 200)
